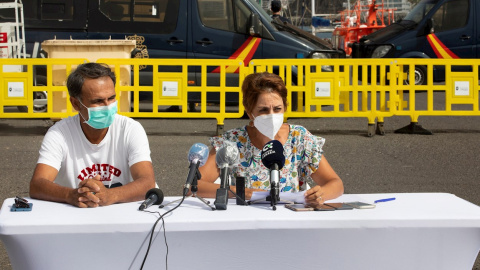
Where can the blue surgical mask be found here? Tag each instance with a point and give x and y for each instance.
(100, 117)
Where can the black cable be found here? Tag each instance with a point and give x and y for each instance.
(164, 233)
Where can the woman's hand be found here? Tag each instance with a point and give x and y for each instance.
(314, 196)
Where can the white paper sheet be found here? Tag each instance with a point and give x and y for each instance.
(285, 197)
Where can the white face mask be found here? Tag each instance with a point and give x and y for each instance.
(268, 124)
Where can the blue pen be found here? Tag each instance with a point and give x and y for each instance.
(384, 200)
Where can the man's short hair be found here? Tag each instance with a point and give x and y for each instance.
(276, 6)
(87, 71)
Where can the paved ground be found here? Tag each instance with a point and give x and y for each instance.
(444, 162)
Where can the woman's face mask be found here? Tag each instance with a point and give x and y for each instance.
(268, 124)
(100, 117)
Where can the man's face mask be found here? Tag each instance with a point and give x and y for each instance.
(268, 124)
(100, 117)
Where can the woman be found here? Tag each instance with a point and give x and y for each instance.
(265, 101)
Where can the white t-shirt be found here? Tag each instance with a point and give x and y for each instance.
(66, 148)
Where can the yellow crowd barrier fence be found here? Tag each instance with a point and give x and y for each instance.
(198, 88)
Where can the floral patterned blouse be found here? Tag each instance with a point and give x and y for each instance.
(302, 151)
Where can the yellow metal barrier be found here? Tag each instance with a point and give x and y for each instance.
(177, 86)
(190, 88)
(457, 95)
(174, 88)
(332, 88)
(19, 86)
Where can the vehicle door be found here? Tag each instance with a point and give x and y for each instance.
(220, 30)
(159, 26)
(453, 24)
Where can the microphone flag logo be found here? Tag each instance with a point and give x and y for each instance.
(267, 146)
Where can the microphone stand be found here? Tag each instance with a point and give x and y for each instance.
(193, 189)
(221, 200)
(273, 202)
(238, 197)
(235, 194)
(274, 196)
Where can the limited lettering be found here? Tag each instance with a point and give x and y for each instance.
(106, 171)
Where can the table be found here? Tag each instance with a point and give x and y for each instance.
(415, 231)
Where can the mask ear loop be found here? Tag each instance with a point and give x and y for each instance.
(251, 123)
(84, 120)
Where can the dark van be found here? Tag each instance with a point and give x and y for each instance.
(203, 29)
(433, 29)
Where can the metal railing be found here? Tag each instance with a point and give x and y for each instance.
(197, 88)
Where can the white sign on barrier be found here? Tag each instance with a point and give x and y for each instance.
(170, 89)
(462, 88)
(322, 89)
(15, 89)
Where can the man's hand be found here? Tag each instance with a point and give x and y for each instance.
(92, 193)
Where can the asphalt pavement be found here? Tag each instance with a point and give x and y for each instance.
(446, 161)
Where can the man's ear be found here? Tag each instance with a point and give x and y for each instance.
(75, 103)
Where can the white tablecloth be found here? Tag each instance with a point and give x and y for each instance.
(415, 231)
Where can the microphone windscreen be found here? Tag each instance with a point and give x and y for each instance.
(228, 155)
(272, 153)
(198, 153)
(157, 192)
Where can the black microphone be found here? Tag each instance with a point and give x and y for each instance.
(272, 155)
(226, 156)
(197, 156)
(274, 160)
(153, 196)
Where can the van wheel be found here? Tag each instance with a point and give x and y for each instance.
(41, 81)
(420, 76)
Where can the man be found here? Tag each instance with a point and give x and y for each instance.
(276, 7)
(95, 158)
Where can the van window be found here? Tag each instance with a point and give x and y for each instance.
(219, 14)
(49, 10)
(216, 14)
(57, 10)
(133, 16)
(451, 15)
(242, 15)
(420, 10)
(31, 13)
(139, 11)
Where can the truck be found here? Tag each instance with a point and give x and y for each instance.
(185, 29)
(447, 29)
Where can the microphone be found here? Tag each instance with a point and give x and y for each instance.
(153, 196)
(197, 156)
(274, 160)
(272, 155)
(226, 156)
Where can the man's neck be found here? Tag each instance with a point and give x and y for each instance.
(94, 136)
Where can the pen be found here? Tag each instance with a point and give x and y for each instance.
(384, 200)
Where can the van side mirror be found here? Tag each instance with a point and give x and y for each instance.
(255, 25)
(429, 29)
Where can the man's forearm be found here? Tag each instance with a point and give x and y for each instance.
(44, 189)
